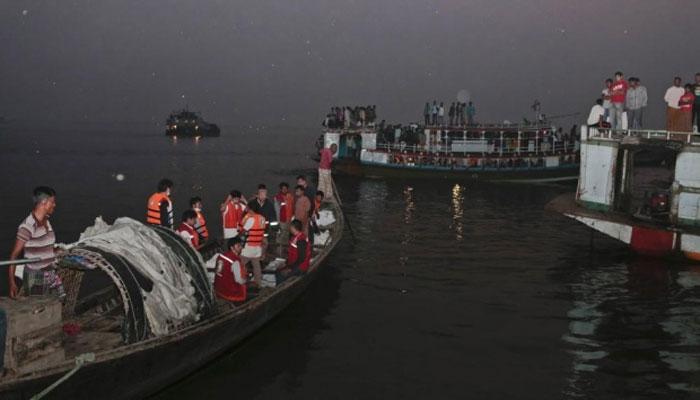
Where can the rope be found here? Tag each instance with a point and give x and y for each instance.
(79, 362)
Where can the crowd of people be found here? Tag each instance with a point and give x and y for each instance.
(458, 114)
(623, 102)
(351, 117)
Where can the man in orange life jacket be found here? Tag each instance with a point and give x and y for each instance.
(186, 229)
(254, 226)
(232, 212)
(160, 209)
(298, 253)
(200, 225)
(231, 275)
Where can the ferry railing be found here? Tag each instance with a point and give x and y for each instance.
(650, 134)
(501, 148)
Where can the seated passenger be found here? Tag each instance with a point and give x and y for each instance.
(298, 253)
(186, 229)
(231, 276)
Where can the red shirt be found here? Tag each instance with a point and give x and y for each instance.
(618, 91)
(326, 158)
(286, 202)
(686, 102)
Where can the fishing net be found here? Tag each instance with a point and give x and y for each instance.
(160, 278)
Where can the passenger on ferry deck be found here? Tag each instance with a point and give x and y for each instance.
(434, 112)
(696, 105)
(672, 96)
(685, 119)
(298, 253)
(635, 103)
(159, 210)
(254, 226)
(618, 95)
(596, 118)
(302, 208)
(471, 113)
(426, 114)
(36, 239)
(200, 224)
(231, 275)
(606, 96)
(232, 212)
(451, 113)
(186, 229)
(325, 182)
(441, 114)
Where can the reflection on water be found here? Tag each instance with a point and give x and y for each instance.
(457, 211)
(634, 327)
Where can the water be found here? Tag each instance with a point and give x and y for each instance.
(449, 291)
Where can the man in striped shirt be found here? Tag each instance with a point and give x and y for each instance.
(36, 239)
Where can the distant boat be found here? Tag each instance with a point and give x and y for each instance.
(650, 202)
(189, 124)
(503, 152)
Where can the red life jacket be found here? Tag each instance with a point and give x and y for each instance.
(286, 202)
(233, 215)
(225, 284)
(190, 230)
(293, 252)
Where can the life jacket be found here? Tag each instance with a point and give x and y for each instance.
(192, 233)
(232, 215)
(228, 268)
(286, 202)
(153, 209)
(293, 252)
(201, 226)
(256, 232)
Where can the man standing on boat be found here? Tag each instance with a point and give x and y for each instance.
(618, 95)
(635, 103)
(302, 208)
(471, 112)
(672, 96)
(159, 210)
(325, 183)
(232, 212)
(696, 106)
(254, 226)
(36, 239)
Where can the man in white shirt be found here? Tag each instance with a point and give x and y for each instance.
(596, 118)
(636, 102)
(673, 95)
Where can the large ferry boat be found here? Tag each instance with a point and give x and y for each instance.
(641, 187)
(189, 124)
(505, 152)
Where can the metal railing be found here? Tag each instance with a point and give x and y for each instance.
(651, 134)
(507, 147)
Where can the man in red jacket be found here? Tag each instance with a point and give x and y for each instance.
(231, 275)
(298, 253)
(618, 95)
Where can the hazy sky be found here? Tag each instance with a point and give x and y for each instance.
(285, 62)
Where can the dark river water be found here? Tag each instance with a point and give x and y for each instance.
(448, 290)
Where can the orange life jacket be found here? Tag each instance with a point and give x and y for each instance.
(232, 215)
(256, 232)
(201, 226)
(153, 210)
(286, 202)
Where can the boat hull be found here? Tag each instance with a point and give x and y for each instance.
(535, 174)
(644, 238)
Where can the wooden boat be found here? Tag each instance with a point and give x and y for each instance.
(485, 152)
(144, 367)
(655, 209)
